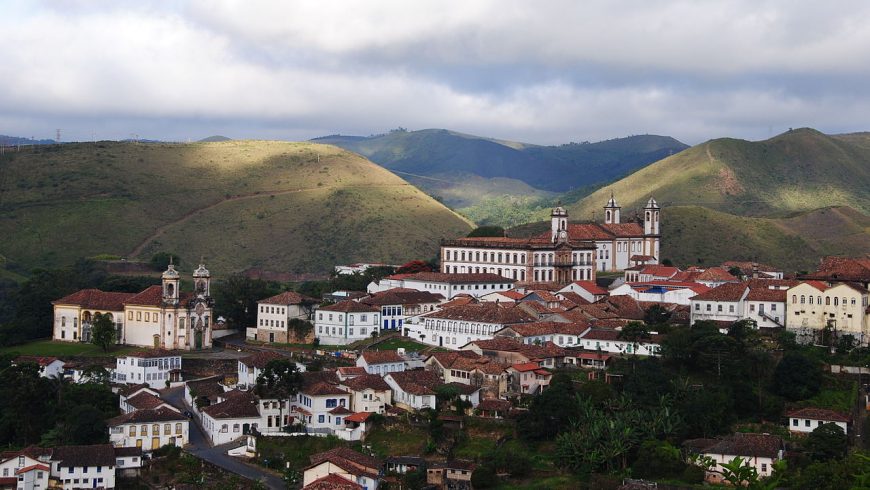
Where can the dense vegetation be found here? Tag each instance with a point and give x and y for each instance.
(272, 206)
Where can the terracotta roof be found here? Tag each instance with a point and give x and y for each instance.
(401, 296)
(586, 231)
(260, 359)
(765, 294)
(208, 387)
(235, 407)
(716, 274)
(727, 292)
(624, 229)
(659, 270)
(531, 351)
(94, 455)
(144, 401)
(457, 278)
(512, 294)
(819, 414)
(311, 378)
(747, 267)
(591, 287)
(151, 353)
(351, 371)
(492, 405)
(747, 445)
(358, 417)
(366, 382)
(483, 313)
(332, 482)
(816, 284)
(574, 298)
(641, 258)
(478, 363)
(525, 366)
(288, 298)
(38, 466)
(322, 388)
(161, 414)
(130, 389)
(843, 269)
(613, 335)
(358, 460)
(416, 382)
(446, 358)
(151, 296)
(547, 328)
(624, 307)
(94, 299)
(460, 300)
(381, 356)
(350, 306)
(340, 410)
(544, 295)
(40, 360)
(128, 451)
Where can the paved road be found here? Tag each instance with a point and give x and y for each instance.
(201, 447)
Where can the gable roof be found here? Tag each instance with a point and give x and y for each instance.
(381, 356)
(485, 312)
(402, 296)
(350, 306)
(93, 455)
(366, 382)
(729, 291)
(161, 414)
(417, 382)
(819, 414)
(659, 270)
(144, 401)
(260, 359)
(457, 278)
(288, 298)
(763, 445)
(591, 287)
(241, 406)
(42, 361)
(359, 461)
(95, 299)
(716, 274)
(547, 328)
(332, 481)
(323, 388)
(842, 269)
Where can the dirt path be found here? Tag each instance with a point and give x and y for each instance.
(243, 197)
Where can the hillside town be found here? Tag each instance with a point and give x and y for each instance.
(505, 332)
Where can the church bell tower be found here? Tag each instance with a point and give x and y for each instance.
(611, 211)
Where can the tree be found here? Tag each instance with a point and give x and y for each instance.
(739, 472)
(735, 271)
(160, 261)
(636, 333)
(826, 442)
(279, 380)
(656, 459)
(103, 331)
(236, 299)
(797, 377)
(487, 231)
(656, 315)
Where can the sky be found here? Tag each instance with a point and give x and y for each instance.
(544, 72)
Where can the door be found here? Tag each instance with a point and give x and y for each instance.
(155, 443)
(198, 339)
(271, 337)
(156, 341)
(139, 443)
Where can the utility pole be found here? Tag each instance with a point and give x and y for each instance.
(57, 139)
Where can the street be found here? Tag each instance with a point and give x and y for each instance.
(200, 447)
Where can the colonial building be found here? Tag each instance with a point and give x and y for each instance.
(568, 252)
(275, 313)
(346, 322)
(159, 317)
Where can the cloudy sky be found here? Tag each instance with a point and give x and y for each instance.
(535, 71)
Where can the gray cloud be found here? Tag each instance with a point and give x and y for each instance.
(542, 72)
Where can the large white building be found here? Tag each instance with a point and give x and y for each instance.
(346, 322)
(568, 252)
(446, 284)
(149, 429)
(274, 315)
(154, 367)
(159, 317)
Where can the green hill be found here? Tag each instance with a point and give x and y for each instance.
(433, 152)
(274, 206)
(796, 171)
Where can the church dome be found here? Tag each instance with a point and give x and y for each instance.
(559, 211)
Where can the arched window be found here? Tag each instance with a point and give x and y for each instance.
(827, 300)
(793, 299)
(836, 301)
(803, 299)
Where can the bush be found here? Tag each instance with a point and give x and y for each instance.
(484, 477)
(693, 474)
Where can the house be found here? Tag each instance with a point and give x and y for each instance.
(609, 340)
(413, 390)
(49, 367)
(322, 405)
(347, 464)
(445, 284)
(510, 351)
(834, 270)
(401, 465)
(841, 308)
(758, 450)
(539, 333)
(274, 315)
(369, 393)
(92, 466)
(660, 291)
(159, 317)
(528, 378)
(155, 367)
(806, 420)
(766, 302)
(458, 325)
(235, 414)
(348, 372)
(250, 367)
(346, 322)
(400, 303)
(454, 474)
(509, 296)
(143, 399)
(149, 429)
(470, 368)
(587, 290)
(754, 270)
(29, 468)
(493, 408)
(128, 461)
(380, 361)
(203, 392)
(724, 303)
(333, 481)
(588, 360)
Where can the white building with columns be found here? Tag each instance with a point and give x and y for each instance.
(568, 252)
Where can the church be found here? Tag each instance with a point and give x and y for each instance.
(160, 317)
(568, 252)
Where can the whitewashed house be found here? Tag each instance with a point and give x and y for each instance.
(49, 367)
(346, 322)
(724, 303)
(587, 290)
(758, 450)
(381, 362)
(413, 390)
(275, 313)
(369, 393)
(149, 429)
(806, 420)
(342, 468)
(455, 326)
(235, 415)
(607, 340)
(445, 284)
(154, 367)
(322, 405)
(75, 467)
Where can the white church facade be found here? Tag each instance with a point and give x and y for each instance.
(568, 252)
(160, 317)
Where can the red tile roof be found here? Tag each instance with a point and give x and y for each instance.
(716, 274)
(333, 481)
(349, 460)
(819, 414)
(235, 407)
(40, 360)
(402, 296)
(94, 455)
(381, 356)
(726, 292)
(161, 414)
(151, 296)
(484, 313)
(323, 389)
(547, 328)
(340, 410)
(366, 382)
(416, 382)
(591, 287)
(459, 278)
(659, 270)
(525, 367)
(574, 298)
(144, 401)
(747, 445)
(260, 359)
(94, 299)
(288, 298)
(32, 467)
(350, 306)
(351, 371)
(358, 417)
(843, 269)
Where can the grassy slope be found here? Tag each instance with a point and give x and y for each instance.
(298, 207)
(797, 171)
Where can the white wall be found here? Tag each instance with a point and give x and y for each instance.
(179, 434)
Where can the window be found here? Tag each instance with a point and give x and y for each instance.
(178, 428)
(697, 306)
(130, 315)
(794, 422)
(144, 430)
(320, 419)
(167, 429)
(236, 427)
(719, 308)
(806, 423)
(709, 307)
